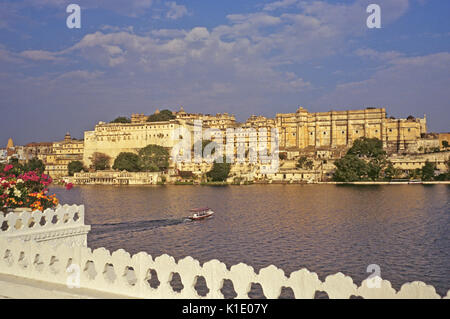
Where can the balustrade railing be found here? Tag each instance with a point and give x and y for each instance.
(63, 224)
(142, 276)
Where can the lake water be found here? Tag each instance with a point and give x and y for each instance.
(326, 228)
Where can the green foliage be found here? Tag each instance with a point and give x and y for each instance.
(75, 167)
(100, 161)
(350, 168)
(121, 119)
(443, 177)
(367, 147)
(35, 164)
(427, 171)
(220, 171)
(305, 163)
(127, 161)
(391, 172)
(415, 174)
(204, 143)
(153, 158)
(164, 115)
(445, 144)
(17, 167)
(376, 165)
(365, 160)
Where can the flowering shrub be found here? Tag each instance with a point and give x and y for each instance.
(25, 189)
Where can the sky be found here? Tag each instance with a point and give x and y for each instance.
(243, 57)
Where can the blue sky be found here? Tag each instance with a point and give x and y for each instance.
(242, 57)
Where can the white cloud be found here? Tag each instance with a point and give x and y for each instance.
(40, 55)
(279, 4)
(383, 56)
(79, 75)
(197, 34)
(419, 83)
(244, 62)
(176, 11)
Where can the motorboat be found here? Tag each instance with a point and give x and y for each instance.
(200, 213)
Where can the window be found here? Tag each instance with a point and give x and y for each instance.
(343, 132)
(357, 131)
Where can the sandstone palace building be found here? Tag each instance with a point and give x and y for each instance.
(340, 128)
(298, 131)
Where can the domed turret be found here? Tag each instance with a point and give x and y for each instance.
(67, 137)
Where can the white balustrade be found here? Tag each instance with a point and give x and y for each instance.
(128, 276)
(62, 224)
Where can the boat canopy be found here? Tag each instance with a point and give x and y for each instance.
(197, 210)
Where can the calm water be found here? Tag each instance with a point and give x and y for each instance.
(325, 228)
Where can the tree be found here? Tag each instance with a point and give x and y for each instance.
(35, 164)
(100, 161)
(367, 147)
(350, 168)
(153, 158)
(428, 171)
(204, 144)
(415, 173)
(444, 176)
(127, 161)
(220, 171)
(365, 159)
(305, 163)
(121, 119)
(376, 165)
(164, 115)
(391, 172)
(445, 144)
(75, 167)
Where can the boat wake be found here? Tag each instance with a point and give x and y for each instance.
(135, 226)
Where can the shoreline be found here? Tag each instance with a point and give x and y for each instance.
(367, 183)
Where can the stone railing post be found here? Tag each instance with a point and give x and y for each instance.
(63, 224)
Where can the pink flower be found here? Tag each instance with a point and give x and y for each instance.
(69, 186)
(8, 167)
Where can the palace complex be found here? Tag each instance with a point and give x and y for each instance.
(298, 131)
(322, 136)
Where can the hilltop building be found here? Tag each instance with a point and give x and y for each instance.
(220, 120)
(12, 151)
(340, 128)
(114, 138)
(63, 152)
(38, 150)
(301, 131)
